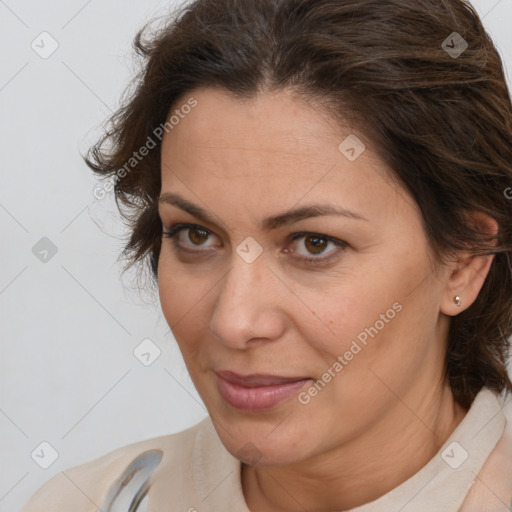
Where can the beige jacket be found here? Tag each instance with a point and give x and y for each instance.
(191, 471)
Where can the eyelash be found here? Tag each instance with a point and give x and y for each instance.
(311, 261)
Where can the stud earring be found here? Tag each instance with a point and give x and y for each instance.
(457, 301)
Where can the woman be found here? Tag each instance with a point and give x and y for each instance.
(320, 189)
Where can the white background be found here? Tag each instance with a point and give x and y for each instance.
(68, 327)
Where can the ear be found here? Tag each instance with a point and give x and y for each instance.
(467, 273)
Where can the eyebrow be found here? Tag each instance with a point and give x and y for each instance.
(268, 224)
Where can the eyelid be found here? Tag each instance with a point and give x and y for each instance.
(322, 259)
(301, 234)
(215, 228)
(176, 229)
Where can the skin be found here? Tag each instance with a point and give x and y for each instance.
(390, 409)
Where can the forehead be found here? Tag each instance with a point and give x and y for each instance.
(277, 127)
(274, 147)
(274, 125)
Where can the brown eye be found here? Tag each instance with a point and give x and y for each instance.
(316, 248)
(315, 244)
(188, 235)
(198, 236)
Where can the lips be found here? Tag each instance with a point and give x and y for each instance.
(255, 380)
(257, 392)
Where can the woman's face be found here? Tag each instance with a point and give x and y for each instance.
(275, 282)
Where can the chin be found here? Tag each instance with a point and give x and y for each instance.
(255, 447)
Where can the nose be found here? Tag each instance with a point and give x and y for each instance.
(247, 307)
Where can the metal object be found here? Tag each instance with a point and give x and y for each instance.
(129, 492)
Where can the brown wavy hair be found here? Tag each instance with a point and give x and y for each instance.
(443, 124)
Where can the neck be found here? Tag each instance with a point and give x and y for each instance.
(367, 467)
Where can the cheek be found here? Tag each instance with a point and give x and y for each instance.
(179, 303)
(369, 318)
(181, 310)
(346, 308)
(180, 293)
(382, 342)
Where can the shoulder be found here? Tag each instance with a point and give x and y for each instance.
(492, 487)
(83, 488)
